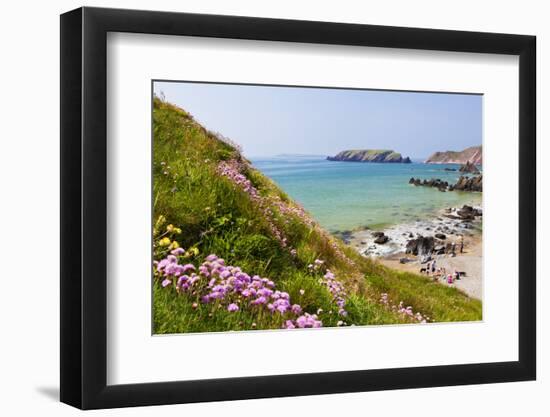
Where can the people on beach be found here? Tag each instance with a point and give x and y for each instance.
(461, 244)
(449, 279)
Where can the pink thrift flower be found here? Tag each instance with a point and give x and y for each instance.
(178, 251)
(188, 267)
(296, 309)
(232, 307)
(259, 300)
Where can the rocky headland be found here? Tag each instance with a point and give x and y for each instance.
(370, 155)
(472, 155)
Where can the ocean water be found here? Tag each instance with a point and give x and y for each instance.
(352, 195)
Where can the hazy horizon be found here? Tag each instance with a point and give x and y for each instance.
(269, 121)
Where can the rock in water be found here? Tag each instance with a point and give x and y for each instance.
(463, 184)
(469, 184)
(469, 168)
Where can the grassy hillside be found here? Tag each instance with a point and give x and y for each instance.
(233, 252)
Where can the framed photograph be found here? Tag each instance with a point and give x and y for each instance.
(256, 208)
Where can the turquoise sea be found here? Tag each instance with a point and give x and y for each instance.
(350, 195)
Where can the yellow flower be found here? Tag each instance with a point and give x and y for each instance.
(164, 241)
(170, 228)
(174, 245)
(177, 230)
(161, 219)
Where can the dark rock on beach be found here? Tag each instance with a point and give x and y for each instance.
(468, 212)
(380, 240)
(420, 246)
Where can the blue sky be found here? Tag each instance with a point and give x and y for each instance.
(268, 121)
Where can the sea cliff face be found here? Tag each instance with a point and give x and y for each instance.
(473, 155)
(370, 155)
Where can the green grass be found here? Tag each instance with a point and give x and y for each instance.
(216, 216)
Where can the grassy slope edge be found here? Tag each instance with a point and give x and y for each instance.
(215, 215)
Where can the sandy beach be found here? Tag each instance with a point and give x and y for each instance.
(445, 225)
(470, 261)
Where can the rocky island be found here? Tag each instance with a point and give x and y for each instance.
(472, 155)
(370, 155)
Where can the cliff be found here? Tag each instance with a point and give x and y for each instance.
(370, 155)
(473, 155)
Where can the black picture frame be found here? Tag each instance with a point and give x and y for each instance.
(84, 207)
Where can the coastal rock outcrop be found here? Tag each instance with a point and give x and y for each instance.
(470, 168)
(463, 184)
(468, 184)
(370, 155)
(380, 238)
(420, 246)
(472, 154)
(468, 212)
(432, 182)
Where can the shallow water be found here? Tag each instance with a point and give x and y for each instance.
(350, 195)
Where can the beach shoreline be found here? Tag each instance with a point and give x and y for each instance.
(451, 228)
